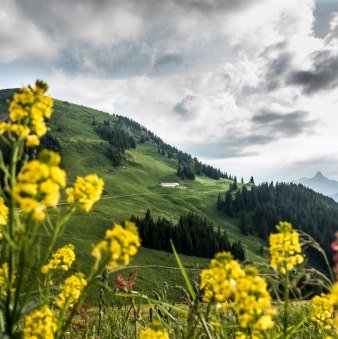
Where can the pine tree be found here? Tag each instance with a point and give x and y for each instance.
(244, 224)
(219, 202)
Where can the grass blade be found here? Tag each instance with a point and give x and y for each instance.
(184, 273)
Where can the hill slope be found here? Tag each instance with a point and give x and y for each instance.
(132, 188)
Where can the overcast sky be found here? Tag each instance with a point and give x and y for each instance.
(248, 86)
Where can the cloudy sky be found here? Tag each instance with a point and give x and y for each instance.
(248, 86)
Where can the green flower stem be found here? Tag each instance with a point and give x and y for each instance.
(204, 324)
(286, 303)
(135, 317)
(22, 268)
(10, 323)
(26, 273)
(98, 268)
(59, 228)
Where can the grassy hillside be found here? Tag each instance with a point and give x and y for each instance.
(131, 189)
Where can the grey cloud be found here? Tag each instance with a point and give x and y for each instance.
(217, 150)
(277, 69)
(318, 159)
(323, 75)
(120, 61)
(214, 5)
(266, 127)
(164, 60)
(185, 108)
(283, 124)
(233, 145)
(126, 38)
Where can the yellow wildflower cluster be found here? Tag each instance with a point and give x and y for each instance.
(40, 324)
(149, 333)
(229, 286)
(3, 212)
(38, 184)
(71, 290)
(86, 191)
(120, 243)
(62, 259)
(219, 281)
(28, 110)
(3, 215)
(322, 311)
(3, 278)
(285, 248)
(154, 332)
(333, 295)
(252, 302)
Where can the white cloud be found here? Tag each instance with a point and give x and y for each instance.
(20, 38)
(193, 73)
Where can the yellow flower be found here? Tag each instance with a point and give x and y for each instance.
(40, 324)
(50, 191)
(120, 243)
(38, 185)
(154, 332)
(333, 297)
(3, 278)
(285, 248)
(3, 212)
(50, 158)
(252, 302)
(322, 308)
(32, 140)
(33, 172)
(19, 130)
(61, 260)
(252, 335)
(219, 281)
(71, 290)
(86, 191)
(27, 113)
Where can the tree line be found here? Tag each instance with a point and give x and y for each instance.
(119, 140)
(188, 167)
(192, 235)
(262, 207)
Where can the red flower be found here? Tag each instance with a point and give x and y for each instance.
(125, 285)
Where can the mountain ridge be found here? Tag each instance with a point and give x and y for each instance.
(321, 184)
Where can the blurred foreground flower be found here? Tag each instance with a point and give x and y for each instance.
(119, 244)
(40, 324)
(71, 290)
(285, 248)
(38, 184)
(86, 192)
(154, 332)
(219, 281)
(61, 260)
(27, 113)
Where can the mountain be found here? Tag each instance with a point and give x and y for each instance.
(321, 184)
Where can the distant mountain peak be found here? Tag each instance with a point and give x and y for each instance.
(321, 184)
(319, 174)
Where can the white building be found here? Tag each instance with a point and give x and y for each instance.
(169, 184)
